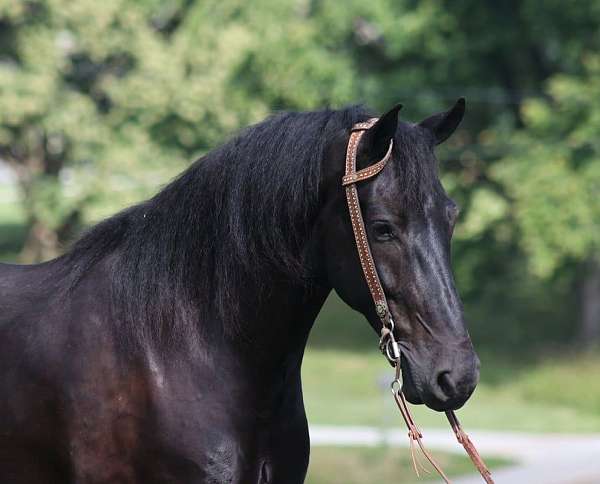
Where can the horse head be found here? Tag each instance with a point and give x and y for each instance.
(409, 221)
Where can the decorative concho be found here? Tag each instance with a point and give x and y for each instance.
(380, 309)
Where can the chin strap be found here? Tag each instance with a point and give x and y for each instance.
(387, 343)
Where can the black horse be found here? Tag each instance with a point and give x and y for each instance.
(166, 345)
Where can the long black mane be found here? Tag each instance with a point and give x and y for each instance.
(237, 217)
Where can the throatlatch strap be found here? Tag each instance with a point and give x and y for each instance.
(351, 177)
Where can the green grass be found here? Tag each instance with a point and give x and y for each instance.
(350, 388)
(345, 383)
(383, 465)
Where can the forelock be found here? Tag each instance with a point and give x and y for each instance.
(415, 165)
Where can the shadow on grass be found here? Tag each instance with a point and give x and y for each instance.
(338, 327)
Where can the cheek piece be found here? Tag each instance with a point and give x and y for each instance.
(388, 343)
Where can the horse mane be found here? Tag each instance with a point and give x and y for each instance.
(236, 217)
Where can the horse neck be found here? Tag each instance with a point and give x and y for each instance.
(274, 331)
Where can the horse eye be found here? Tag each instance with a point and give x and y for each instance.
(383, 231)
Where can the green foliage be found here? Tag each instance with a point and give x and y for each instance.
(553, 171)
(102, 102)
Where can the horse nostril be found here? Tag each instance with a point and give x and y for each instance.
(446, 384)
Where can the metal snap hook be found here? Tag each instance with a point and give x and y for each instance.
(396, 386)
(392, 350)
(391, 328)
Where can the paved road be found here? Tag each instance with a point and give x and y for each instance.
(541, 458)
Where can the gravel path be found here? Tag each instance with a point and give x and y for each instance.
(541, 458)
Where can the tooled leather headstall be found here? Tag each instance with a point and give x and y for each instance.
(388, 344)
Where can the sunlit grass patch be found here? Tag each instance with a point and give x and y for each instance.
(568, 380)
(350, 388)
(346, 383)
(354, 465)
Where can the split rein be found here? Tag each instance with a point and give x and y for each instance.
(388, 344)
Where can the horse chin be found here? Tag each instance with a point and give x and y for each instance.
(412, 396)
(409, 387)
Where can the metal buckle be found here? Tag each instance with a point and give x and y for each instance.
(388, 344)
(392, 350)
(397, 382)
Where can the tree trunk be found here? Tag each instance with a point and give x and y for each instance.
(41, 244)
(590, 303)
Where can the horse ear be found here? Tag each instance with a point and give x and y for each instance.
(442, 125)
(376, 140)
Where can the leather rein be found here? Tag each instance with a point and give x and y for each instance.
(388, 343)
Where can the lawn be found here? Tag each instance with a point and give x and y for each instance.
(382, 465)
(346, 383)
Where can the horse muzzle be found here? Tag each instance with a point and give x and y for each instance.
(446, 385)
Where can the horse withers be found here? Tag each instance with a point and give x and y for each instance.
(165, 346)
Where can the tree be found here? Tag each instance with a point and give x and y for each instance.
(100, 102)
(553, 177)
(100, 95)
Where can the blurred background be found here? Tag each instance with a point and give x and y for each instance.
(101, 103)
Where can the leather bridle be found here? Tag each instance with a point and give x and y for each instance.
(388, 343)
